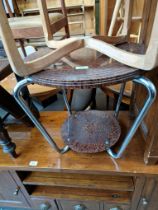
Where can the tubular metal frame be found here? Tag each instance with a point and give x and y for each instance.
(22, 103)
(141, 80)
(150, 99)
(119, 100)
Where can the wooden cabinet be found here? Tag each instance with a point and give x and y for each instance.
(75, 181)
(73, 191)
(10, 193)
(149, 195)
(88, 190)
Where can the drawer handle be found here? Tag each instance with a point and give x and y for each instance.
(144, 201)
(115, 208)
(116, 196)
(80, 207)
(16, 191)
(45, 206)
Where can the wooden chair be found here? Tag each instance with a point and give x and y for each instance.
(26, 27)
(118, 16)
(113, 91)
(128, 67)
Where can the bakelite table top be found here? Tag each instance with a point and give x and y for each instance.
(31, 146)
(85, 68)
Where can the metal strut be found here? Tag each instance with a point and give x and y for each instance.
(22, 103)
(150, 99)
(119, 99)
(66, 102)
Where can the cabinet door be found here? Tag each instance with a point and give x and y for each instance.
(116, 207)
(149, 197)
(10, 193)
(79, 205)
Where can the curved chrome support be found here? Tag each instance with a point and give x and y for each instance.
(22, 103)
(119, 99)
(66, 102)
(151, 97)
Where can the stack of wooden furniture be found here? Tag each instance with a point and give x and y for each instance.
(28, 27)
(41, 178)
(81, 14)
(114, 10)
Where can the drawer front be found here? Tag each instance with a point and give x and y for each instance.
(10, 193)
(44, 204)
(116, 207)
(79, 205)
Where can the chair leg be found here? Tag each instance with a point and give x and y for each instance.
(67, 31)
(22, 103)
(151, 97)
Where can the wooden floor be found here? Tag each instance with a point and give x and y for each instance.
(31, 146)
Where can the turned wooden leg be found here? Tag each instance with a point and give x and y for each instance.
(5, 141)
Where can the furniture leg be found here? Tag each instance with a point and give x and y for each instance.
(119, 99)
(151, 97)
(22, 45)
(26, 96)
(114, 17)
(132, 102)
(107, 102)
(17, 94)
(66, 102)
(93, 99)
(5, 141)
(9, 104)
(103, 16)
(67, 31)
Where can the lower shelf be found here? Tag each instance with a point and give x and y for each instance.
(88, 181)
(81, 194)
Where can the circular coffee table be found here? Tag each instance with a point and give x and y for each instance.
(90, 131)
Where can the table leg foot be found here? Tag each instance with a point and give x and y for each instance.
(5, 141)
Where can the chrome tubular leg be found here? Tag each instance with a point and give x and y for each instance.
(66, 102)
(21, 102)
(150, 99)
(68, 109)
(119, 99)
